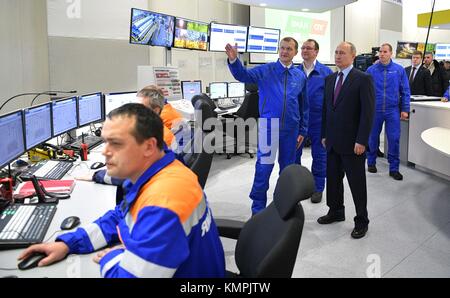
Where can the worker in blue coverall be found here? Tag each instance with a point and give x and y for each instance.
(392, 91)
(283, 111)
(315, 73)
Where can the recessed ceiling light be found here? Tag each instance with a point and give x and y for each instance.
(305, 9)
(436, 27)
(263, 4)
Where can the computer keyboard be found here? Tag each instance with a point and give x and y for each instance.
(226, 103)
(50, 169)
(23, 225)
(90, 141)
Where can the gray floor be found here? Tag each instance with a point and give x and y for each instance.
(409, 230)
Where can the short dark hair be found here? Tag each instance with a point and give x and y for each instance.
(289, 39)
(148, 123)
(388, 45)
(417, 53)
(316, 44)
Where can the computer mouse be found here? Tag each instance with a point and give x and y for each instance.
(70, 223)
(31, 261)
(97, 165)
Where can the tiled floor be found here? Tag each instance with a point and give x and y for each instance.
(409, 230)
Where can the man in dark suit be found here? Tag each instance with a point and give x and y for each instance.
(419, 77)
(348, 113)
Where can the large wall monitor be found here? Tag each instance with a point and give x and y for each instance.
(151, 28)
(38, 125)
(12, 144)
(221, 34)
(442, 51)
(64, 115)
(190, 34)
(263, 40)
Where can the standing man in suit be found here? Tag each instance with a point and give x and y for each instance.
(419, 76)
(348, 112)
(392, 104)
(315, 73)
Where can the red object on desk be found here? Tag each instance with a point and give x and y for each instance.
(57, 186)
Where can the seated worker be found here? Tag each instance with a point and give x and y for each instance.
(153, 98)
(164, 223)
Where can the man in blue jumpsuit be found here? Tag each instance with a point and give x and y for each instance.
(316, 73)
(283, 111)
(392, 91)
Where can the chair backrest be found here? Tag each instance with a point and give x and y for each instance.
(268, 242)
(250, 106)
(200, 162)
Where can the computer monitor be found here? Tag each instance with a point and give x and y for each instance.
(118, 99)
(64, 115)
(151, 28)
(190, 34)
(442, 51)
(12, 144)
(221, 34)
(38, 125)
(89, 109)
(218, 90)
(236, 89)
(263, 40)
(191, 88)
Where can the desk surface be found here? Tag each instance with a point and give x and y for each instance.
(88, 201)
(438, 138)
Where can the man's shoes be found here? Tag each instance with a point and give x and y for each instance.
(379, 153)
(396, 175)
(327, 219)
(359, 232)
(372, 169)
(316, 197)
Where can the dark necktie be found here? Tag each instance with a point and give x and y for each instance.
(411, 78)
(338, 87)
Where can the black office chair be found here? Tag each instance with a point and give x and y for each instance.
(248, 110)
(200, 163)
(267, 244)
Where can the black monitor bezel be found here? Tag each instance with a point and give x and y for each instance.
(102, 109)
(210, 32)
(228, 91)
(158, 13)
(195, 21)
(23, 137)
(191, 81)
(76, 111)
(24, 124)
(226, 83)
(279, 40)
(113, 93)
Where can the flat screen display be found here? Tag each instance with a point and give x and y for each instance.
(151, 28)
(38, 125)
(191, 35)
(221, 34)
(263, 40)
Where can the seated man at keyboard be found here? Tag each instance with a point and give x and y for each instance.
(153, 98)
(164, 225)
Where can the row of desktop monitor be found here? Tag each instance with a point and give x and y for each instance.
(156, 29)
(25, 129)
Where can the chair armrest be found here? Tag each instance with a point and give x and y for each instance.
(229, 228)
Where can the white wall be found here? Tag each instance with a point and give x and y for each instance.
(411, 8)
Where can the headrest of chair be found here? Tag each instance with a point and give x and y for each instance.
(205, 106)
(296, 183)
(251, 87)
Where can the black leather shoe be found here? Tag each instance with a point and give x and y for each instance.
(327, 219)
(396, 175)
(359, 232)
(379, 153)
(372, 169)
(316, 197)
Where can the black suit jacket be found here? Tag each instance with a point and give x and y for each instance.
(421, 84)
(350, 120)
